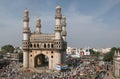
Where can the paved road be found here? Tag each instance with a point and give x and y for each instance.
(108, 75)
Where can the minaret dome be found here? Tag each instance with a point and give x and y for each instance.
(58, 6)
(38, 25)
(26, 12)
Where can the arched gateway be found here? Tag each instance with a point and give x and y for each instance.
(43, 49)
(41, 60)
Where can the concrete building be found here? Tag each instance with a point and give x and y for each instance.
(77, 52)
(69, 50)
(86, 51)
(102, 50)
(74, 52)
(41, 49)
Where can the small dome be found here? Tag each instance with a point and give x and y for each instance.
(26, 10)
(58, 6)
(38, 18)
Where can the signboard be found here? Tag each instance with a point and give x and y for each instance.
(61, 66)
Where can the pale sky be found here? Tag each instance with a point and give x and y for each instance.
(90, 23)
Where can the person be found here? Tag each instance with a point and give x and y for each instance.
(107, 74)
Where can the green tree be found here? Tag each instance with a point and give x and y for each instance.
(94, 53)
(109, 55)
(7, 48)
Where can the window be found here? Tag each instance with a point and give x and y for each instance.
(48, 45)
(30, 45)
(34, 45)
(44, 45)
(51, 56)
(51, 51)
(37, 45)
(51, 45)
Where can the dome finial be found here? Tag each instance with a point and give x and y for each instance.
(26, 10)
(38, 18)
(58, 6)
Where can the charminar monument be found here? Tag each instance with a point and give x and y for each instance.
(43, 49)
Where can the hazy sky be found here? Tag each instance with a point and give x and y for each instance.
(93, 23)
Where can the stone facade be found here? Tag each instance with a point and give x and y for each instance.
(116, 65)
(43, 45)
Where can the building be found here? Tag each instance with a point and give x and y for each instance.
(84, 51)
(77, 52)
(116, 65)
(102, 50)
(43, 49)
(69, 50)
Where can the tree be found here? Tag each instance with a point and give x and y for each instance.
(7, 48)
(94, 53)
(109, 55)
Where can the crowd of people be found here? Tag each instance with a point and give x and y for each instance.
(12, 71)
(82, 71)
(60, 75)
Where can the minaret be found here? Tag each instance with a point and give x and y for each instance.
(38, 25)
(58, 37)
(58, 27)
(63, 33)
(118, 54)
(115, 54)
(26, 34)
(26, 30)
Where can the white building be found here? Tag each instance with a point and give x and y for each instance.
(69, 50)
(105, 50)
(102, 50)
(77, 52)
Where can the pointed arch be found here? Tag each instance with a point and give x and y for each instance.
(41, 60)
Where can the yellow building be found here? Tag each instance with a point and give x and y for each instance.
(41, 49)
